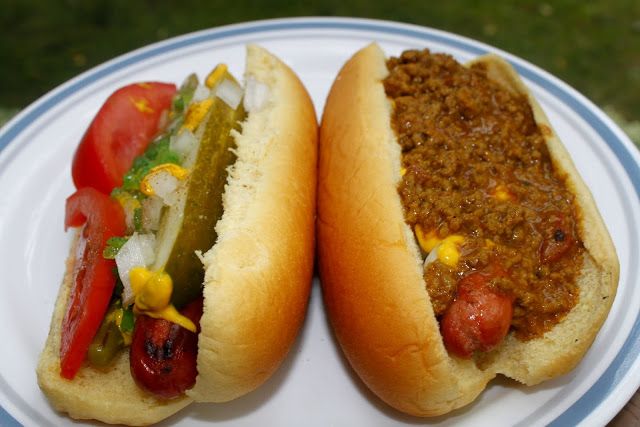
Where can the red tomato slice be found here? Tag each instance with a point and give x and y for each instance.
(120, 132)
(93, 280)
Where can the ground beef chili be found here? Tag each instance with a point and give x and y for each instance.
(475, 164)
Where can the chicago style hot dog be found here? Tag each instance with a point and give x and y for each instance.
(456, 239)
(190, 271)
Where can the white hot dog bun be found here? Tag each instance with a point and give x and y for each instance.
(371, 265)
(258, 274)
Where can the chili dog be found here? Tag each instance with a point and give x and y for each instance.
(209, 292)
(456, 239)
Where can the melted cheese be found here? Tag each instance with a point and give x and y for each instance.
(427, 241)
(449, 250)
(446, 251)
(502, 193)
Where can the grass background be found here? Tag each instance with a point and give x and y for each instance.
(594, 45)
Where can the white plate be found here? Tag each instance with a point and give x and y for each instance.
(315, 385)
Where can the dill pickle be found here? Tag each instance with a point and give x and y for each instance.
(189, 226)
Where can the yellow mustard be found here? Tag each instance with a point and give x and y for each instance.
(152, 295)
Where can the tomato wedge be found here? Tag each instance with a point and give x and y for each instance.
(120, 132)
(93, 279)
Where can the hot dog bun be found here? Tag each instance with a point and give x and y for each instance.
(258, 274)
(371, 266)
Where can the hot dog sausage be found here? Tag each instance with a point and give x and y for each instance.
(163, 354)
(478, 319)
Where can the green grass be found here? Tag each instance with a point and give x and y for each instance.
(593, 45)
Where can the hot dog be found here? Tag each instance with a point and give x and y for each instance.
(214, 256)
(456, 239)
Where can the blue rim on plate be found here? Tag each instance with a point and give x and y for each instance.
(622, 363)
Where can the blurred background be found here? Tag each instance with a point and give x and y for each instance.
(592, 45)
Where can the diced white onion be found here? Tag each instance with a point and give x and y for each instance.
(129, 206)
(151, 212)
(433, 255)
(256, 95)
(183, 143)
(165, 186)
(201, 93)
(230, 92)
(129, 212)
(177, 197)
(138, 251)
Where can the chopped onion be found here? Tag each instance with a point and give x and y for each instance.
(129, 213)
(256, 95)
(165, 186)
(151, 212)
(433, 255)
(138, 251)
(176, 197)
(201, 93)
(183, 143)
(230, 92)
(129, 206)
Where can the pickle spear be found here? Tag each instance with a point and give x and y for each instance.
(189, 225)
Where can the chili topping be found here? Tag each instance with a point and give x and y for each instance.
(481, 192)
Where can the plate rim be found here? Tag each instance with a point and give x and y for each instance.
(611, 380)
